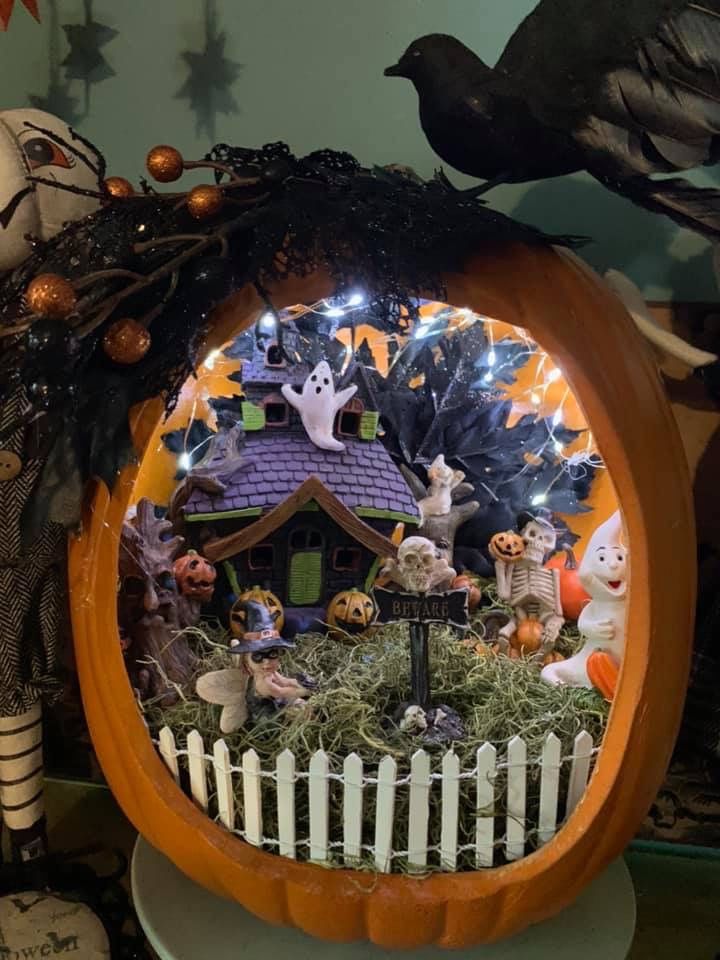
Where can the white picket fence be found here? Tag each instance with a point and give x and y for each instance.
(212, 778)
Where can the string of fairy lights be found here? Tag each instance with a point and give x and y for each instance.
(445, 320)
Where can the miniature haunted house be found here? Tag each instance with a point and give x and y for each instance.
(302, 519)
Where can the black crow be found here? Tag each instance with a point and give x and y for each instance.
(621, 88)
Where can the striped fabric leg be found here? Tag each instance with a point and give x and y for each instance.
(21, 782)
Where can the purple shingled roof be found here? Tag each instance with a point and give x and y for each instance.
(276, 462)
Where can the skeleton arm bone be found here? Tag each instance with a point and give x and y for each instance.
(503, 574)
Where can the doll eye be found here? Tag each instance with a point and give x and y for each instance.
(601, 558)
(41, 152)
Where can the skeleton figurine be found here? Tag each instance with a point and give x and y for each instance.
(420, 567)
(532, 590)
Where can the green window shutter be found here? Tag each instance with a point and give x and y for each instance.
(252, 415)
(369, 424)
(305, 585)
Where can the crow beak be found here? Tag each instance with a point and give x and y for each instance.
(394, 71)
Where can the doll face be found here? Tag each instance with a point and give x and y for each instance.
(604, 573)
(36, 144)
(264, 662)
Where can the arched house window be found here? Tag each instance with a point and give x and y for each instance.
(349, 418)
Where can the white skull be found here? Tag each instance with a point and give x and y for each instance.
(540, 539)
(414, 720)
(416, 561)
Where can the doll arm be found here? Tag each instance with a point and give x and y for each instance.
(594, 626)
(292, 396)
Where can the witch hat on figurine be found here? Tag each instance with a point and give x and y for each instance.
(260, 631)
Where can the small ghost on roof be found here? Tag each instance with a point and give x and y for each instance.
(318, 404)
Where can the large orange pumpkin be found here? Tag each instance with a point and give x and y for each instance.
(573, 595)
(611, 371)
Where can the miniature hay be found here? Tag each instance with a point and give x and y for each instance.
(361, 687)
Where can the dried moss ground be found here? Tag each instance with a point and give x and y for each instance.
(361, 686)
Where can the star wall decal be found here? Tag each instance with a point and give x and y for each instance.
(57, 98)
(6, 9)
(211, 75)
(85, 61)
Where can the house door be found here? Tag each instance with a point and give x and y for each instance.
(305, 573)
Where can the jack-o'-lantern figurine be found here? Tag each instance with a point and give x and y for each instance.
(195, 576)
(350, 612)
(37, 144)
(267, 598)
(507, 546)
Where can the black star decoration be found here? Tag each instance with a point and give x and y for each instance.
(85, 61)
(57, 98)
(211, 76)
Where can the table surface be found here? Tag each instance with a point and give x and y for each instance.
(184, 922)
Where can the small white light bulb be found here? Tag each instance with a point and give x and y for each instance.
(538, 499)
(356, 300)
(266, 323)
(334, 312)
(558, 447)
(557, 417)
(488, 378)
(211, 358)
(491, 358)
(184, 461)
(535, 398)
(553, 375)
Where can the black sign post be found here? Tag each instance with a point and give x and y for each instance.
(419, 611)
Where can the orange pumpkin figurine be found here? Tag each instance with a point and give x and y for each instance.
(602, 670)
(528, 636)
(507, 546)
(195, 576)
(573, 595)
(467, 581)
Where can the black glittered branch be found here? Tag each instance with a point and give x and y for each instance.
(106, 307)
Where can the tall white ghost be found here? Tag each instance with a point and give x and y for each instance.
(37, 144)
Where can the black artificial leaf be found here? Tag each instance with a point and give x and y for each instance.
(191, 439)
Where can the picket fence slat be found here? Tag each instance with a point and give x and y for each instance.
(549, 788)
(196, 767)
(285, 772)
(352, 807)
(168, 751)
(580, 769)
(419, 813)
(485, 805)
(384, 813)
(450, 809)
(224, 784)
(319, 791)
(481, 784)
(252, 797)
(516, 799)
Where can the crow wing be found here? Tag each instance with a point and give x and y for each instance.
(636, 82)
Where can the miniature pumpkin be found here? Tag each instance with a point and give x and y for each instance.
(267, 598)
(195, 576)
(602, 670)
(528, 636)
(587, 331)
(573, 596)
(507, 546)
(466, 581)
(351, 611)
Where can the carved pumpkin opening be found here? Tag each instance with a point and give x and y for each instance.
(245, 866)
(512, 421)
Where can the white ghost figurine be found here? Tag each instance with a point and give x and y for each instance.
(603, 574)
(37, 144)
(318, 405)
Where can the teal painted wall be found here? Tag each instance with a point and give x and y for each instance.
(312, 75)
